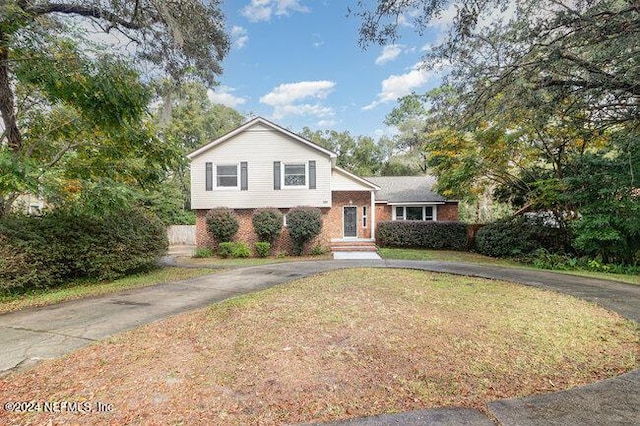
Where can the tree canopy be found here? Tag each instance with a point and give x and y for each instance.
(537, 92)
(67, 96)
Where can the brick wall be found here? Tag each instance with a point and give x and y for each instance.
(448, 212)
(247, 235)
(334, 222)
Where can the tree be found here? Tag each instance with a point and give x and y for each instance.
(48, 63)
(587, 49)
(187, 119)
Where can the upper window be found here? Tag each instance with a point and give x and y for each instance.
(227, 176)
(295, 175)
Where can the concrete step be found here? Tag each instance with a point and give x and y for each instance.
(355, 248)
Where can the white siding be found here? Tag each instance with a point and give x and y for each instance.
(342, 182)
(260, 146)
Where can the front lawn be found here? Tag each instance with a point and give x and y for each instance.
(86, 288)
(337, 345)
(469, 257)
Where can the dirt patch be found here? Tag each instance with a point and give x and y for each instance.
(341, 344)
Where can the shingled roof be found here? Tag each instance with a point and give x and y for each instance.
(406, 189)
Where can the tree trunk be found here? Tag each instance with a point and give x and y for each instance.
(7, 106)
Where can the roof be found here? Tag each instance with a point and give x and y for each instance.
(264, 122)
(406, 189)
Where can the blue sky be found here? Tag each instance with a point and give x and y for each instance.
(298, 63)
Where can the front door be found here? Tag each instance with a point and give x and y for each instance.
(350, 222)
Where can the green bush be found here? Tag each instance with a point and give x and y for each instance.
(222, 223)
(263, 248)
(234, 249)
(319, 250)
(202, 252)
(267, 224)
(423, 234)
(304, 224)
(58, 247)
(520, 236)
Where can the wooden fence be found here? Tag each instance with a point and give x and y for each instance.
(181, 235)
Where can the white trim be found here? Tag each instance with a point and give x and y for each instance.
(418, 203)
(251, 123)
(434, 210)
(216, 187)
(357, 179)
(373, 215)
(353, 207)
(294, 163)
(365, 217)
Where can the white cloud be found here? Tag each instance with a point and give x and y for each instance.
(292, 92)
(293, 99)
(397, 86)
(222, 95)
(261, 10)
(240, 36)
(389, 53)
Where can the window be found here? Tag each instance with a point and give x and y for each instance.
(295, 175)
(414, 213)
(364, 216)
(428, 213)
(284, 220)
(227, 176)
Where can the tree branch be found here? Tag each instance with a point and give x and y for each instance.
(74, 9)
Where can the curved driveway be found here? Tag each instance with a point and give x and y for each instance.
(34, 334)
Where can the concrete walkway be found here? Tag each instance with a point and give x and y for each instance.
(48, 332)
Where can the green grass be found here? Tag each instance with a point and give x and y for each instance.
(84, 288)
(468, 257)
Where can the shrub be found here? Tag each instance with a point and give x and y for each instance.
(233, 249)
(263, 248)
(520, 236)
(58, 247)
(423, 234)
(267, 224)
(304, 224)
(222, 223)
(319, 250)
(201, 252)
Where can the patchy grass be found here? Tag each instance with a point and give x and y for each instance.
(469, 257)
(342, 344)
(85, 288)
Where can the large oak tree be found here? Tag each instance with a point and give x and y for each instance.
(59, 57)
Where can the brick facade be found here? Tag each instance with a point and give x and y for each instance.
(445, 212)
(332, 222)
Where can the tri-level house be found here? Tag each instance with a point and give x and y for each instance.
(261, 164)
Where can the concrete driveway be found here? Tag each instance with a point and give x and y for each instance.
(48, 332)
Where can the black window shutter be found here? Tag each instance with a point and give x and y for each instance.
(208, 177)
(244, 183)
(276, 175)
(312, 174)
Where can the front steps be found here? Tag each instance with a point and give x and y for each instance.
(353, 245)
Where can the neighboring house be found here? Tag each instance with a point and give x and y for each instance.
(262, 165)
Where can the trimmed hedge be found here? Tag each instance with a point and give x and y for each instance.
(47, 251)
(422, 234)
(267, 223)
(222, 223)
(234, 249)
(304, 224)
(521, 236)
